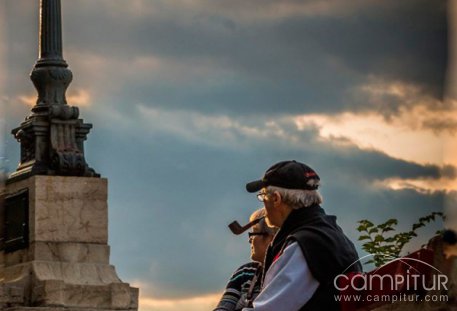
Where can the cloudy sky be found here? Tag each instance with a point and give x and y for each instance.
(191, 99)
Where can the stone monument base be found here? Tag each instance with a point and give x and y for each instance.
(65, 264)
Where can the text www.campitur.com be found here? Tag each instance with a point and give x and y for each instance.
(391, 298)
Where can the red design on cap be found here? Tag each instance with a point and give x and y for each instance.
(309, 174)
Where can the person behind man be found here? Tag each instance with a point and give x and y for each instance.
(308, 251)
(244, 284)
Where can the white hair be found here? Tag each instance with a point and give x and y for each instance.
(297, 198)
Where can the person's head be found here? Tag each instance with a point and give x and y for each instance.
(286, 186)
(260, 236)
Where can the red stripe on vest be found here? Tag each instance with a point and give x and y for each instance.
(277, 256)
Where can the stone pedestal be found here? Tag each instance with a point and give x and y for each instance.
(66, 263)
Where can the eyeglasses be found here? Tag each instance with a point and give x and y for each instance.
(253, 234)
(262, 196)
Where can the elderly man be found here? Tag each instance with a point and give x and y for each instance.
(308, 251)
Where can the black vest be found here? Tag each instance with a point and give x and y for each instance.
(326, 249)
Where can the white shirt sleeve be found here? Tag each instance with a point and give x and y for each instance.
(288, 283)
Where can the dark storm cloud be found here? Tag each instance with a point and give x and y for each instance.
(439, 125)
(302, 64)
(294, 62)
(404, 41)
(449, 171)
(399, 40)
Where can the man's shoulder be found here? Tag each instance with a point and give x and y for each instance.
(325, 247)
(323, 235)
(323, 224)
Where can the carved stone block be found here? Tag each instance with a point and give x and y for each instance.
(66, 209)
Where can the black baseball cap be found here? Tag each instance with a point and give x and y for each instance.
(289, 175)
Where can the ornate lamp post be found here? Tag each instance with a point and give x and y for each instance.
(52, 137)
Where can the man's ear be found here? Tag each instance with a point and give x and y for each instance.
(277, 198)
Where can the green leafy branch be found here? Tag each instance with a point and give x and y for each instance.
(383, 247)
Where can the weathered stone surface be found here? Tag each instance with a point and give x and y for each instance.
(58, 251)
(71, 252)
(55, 293)
(70, 209)
(11, 295)
(66, 209)
(75, 273)
(120, 296)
